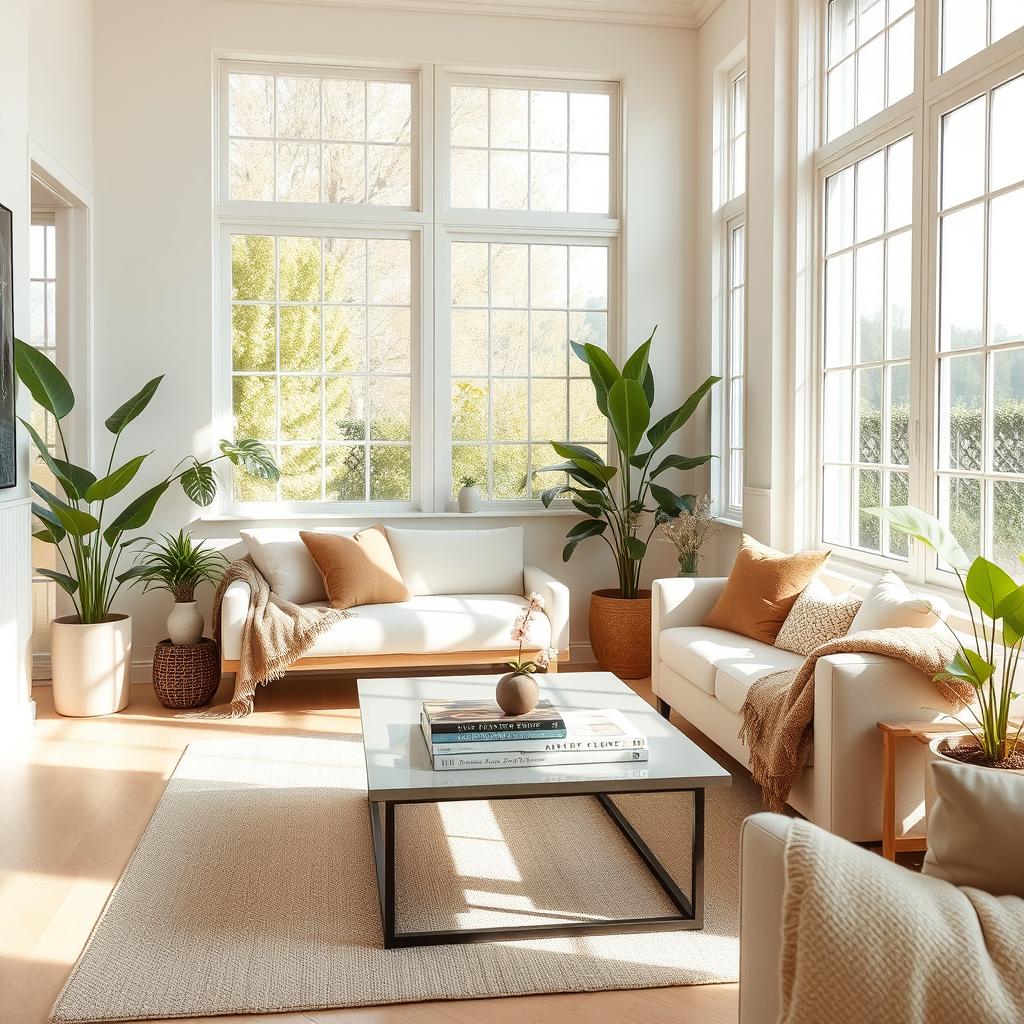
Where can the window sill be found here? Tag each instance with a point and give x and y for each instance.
(725, 520)
(305, 517)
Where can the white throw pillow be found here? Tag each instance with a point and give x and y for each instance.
(286, 564)
(975, 827)
(817, 616)
(460, 561)
(890, 605)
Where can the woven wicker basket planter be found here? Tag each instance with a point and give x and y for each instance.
(186, 675)
(620, 632)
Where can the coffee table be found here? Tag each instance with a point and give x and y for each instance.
(399, 771)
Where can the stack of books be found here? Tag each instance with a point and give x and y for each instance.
(478, 734)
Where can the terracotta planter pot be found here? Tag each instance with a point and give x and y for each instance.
(620, 632)
(935, 751)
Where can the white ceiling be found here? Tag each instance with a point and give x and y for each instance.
(671, 13)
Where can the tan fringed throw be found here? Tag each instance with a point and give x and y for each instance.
(887, 944)
(778, 711)
(275, 634)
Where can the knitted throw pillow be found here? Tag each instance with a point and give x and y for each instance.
(817, 616)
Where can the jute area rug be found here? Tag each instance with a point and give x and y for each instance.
(253, 890)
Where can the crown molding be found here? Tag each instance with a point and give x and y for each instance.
(662, 13)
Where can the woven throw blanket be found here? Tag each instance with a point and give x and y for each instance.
(887, 944)
(275, 634)
(778, 711)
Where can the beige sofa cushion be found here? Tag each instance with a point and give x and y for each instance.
(817, 617)
(284, 562)
(891, 604)
(974, 828)
(734, 675)
(431, 624)
(357, 570)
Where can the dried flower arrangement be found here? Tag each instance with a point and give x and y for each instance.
(689, 532)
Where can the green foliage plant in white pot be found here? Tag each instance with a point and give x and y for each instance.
(90, 527)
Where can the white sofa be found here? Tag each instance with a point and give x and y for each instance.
(467, 588)
(704, 674)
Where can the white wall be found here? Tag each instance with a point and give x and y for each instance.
(46, 85)
(154, 226)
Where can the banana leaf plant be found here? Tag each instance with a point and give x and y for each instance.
(990, 665)
(89, 540)
(617, 499)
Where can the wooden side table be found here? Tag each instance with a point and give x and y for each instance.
(186, 675)
(892, 733)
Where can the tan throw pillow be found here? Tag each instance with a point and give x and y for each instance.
(357, 570)
(762, 588)
(817, 617)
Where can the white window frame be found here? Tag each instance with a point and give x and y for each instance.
(730, 213)
(919, 115)
(522, 226)
(432, 225)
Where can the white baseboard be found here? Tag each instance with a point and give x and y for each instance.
(16, 727)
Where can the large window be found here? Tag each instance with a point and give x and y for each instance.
(920, 354)
(388, 340)
(729, 314)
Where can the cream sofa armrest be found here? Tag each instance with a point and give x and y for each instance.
(682, 602)
(852, 694)
(234, 607)
(556, 602)
(762, 884)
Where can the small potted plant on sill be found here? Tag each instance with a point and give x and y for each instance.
(91, 649)
(995, 603)
(469, 495)
(177, 565)
(688, 532)
(517, 692)
(622, 503)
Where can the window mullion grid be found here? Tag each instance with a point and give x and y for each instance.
(489, 454)
(323, 362)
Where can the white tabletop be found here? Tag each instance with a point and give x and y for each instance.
(398, 764)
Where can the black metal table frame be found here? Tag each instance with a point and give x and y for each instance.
(691, 909)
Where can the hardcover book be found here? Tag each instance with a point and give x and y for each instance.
(534, 758)
(584, 731)
(482, 716)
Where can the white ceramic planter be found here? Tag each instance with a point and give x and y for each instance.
(469, 499)
(185, 624)
(91, 665)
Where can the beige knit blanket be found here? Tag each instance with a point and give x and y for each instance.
(886, 944)
(275, 634)
(778, 711)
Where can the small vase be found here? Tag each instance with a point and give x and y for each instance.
(517, 693)
(688, 562)
(469, 499)
(185, 624)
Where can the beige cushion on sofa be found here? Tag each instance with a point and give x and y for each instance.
(357, 570)
(975, 827)
(818, 616)
(428, 624)
(460, 561)
(734, 676)
(890, 604)
(285, 564)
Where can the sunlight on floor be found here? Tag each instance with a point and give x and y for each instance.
(483, 855)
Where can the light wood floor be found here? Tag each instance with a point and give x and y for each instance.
(75, 801)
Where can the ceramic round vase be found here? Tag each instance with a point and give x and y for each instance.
(469, 499)
(620, 632)
(91, 664)
(517, 693)
(185, 624)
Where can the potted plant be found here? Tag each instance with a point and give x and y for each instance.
(178, 566)
(517, 691)
(989, 664)
(91, 649)
(622, 502)
(688, 532)
(469, 495)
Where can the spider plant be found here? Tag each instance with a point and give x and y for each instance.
(177, 565)
(89, 544)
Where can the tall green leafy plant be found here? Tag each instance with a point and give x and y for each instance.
(996, 607)
(617, 499)
(89, 540)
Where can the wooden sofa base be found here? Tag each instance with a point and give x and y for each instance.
(464, 659)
